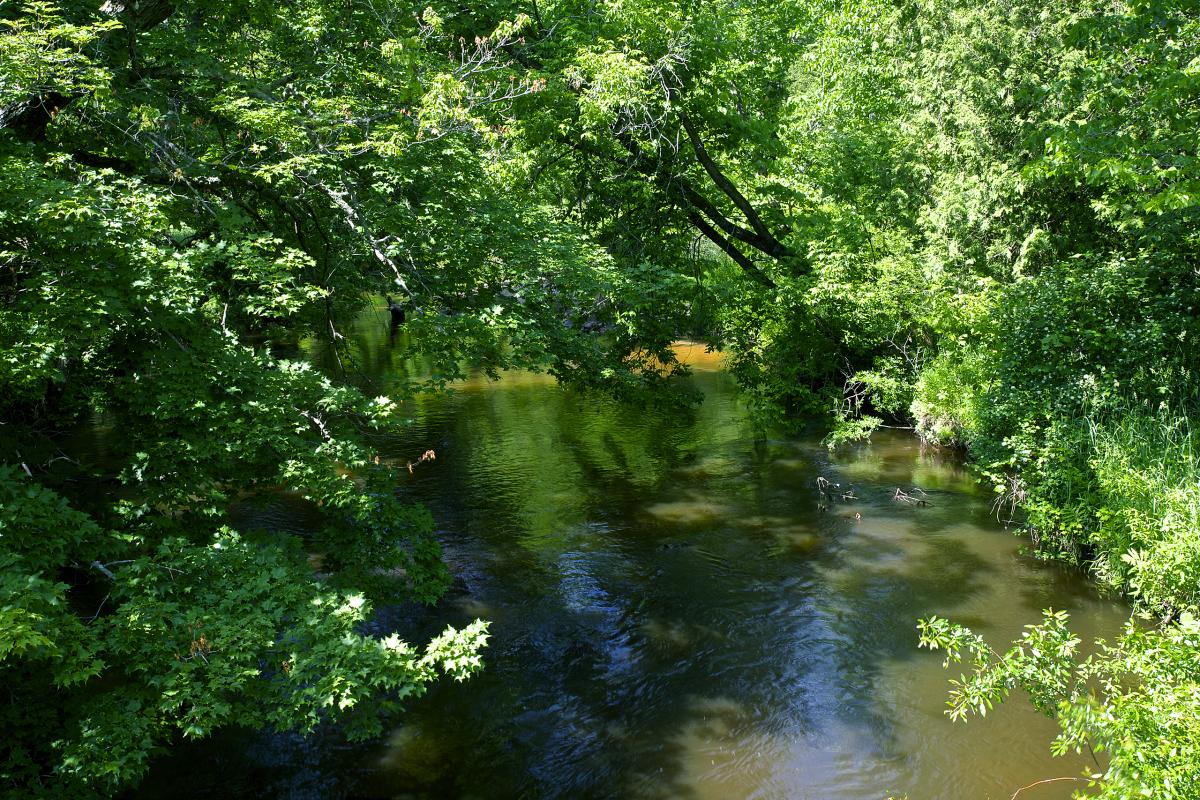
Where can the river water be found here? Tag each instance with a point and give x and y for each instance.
(675, 615)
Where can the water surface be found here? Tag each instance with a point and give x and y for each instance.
(676, 614)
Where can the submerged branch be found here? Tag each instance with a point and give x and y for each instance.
(1039, 783)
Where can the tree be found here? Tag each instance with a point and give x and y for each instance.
(183, 185)
(979, 219)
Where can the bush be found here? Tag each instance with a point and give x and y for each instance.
(1147, 471)
(946, 398)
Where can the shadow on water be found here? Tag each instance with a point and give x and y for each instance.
(674, 615)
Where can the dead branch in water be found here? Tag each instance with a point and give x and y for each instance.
(915, 497)
(428, 455)
(828, 491)
(1039, 783)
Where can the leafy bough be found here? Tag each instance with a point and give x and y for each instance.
(1136, 699)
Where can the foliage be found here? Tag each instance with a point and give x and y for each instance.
(1146, 493)
(188, 636)
(980, 218)
(947, 395)
(187, 190)
(852, 430)
(1136, 699)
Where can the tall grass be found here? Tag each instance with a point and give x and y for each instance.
(1147, 470)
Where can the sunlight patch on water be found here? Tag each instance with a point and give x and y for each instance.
(719, 752)
(680, 637)
(691, 511)
(697, 356)
(793, 463)
(415, 755)
(793, 539)
(710, 467)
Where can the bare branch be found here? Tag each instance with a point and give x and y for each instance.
(358, 223)
(1039, 783)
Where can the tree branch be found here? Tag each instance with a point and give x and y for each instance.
(740, 258)
(702, 204)
(31, 115)
(701, 207)
(766, 240)
(357, 223)
(1039, 783)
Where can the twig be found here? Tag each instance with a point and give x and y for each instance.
(92, 618)
(1039, 783)
(428, 455)
(108, 573)
(322, 429)
(904, 497)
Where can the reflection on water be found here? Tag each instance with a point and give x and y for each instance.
(674, 616)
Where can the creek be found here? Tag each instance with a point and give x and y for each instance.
(676, 613)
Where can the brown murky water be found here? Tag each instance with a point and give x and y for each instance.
(674, 616)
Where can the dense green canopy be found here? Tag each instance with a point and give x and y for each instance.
(981, 219)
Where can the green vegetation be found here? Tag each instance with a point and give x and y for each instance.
(981, 219)
(185, 190)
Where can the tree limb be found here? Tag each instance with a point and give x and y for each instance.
(702, 204)
(357, 223)
(701, 207)
(740, 258)
(31, 115)
(697, 206)
(767, 241)
(1039, 783)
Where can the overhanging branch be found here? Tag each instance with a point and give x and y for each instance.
(699, 207)
(764, 240)
(30, 115)
(730, 249)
